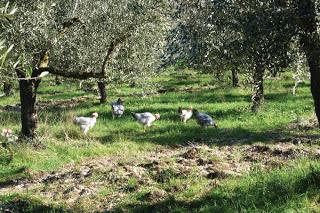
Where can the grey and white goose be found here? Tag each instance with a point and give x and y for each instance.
(204, 120)
(117, 108)
(146, 118)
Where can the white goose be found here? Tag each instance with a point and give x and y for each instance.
(86, 123)
(146, 118)
(185, 114)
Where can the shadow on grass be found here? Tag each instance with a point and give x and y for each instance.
(63, 96)
(210, 136)
(291, 85)
(10, 118)
(9, 175)
(171, 131)
(174, 132)
(17, 203)
(263, 193)
(210, 96)
(173, 135)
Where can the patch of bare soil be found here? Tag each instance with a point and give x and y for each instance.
(69, 103)
(59, 104)
(304, 124)
(75, 183)
(189, 89)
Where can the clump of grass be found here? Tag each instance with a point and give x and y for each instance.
(164, 176)
(6, 155)
(105, 191)
(131, 185)
(69, 133)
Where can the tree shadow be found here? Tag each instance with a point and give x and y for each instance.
(291, 85)
(10, 175)
(209, 96)
(9, 118)
(17, 203)
(172, 83)
(279, 97)
(172, 136)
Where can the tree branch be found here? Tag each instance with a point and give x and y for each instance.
(85, 75)
(76, 75)
(111, 49)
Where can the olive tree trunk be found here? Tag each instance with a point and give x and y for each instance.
(314, 64)
(235, 77)
(257, 97)
(310, 42)
(57, 80)
(102, 91)
(28, 94)
(313, 58)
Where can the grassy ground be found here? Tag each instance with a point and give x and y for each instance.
(252, 162)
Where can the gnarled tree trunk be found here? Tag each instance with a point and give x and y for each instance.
(102, 91)
(257, 97)
(314, 64)
(235, 77)
(310, 42)
(29, 117)
(313, 58)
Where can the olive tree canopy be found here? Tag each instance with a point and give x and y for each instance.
(78, 35)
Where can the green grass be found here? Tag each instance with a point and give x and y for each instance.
(61, 143)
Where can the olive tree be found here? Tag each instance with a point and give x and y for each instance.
(239, 35)
(271, 26)
(265, 31)
(82, 39)
(203, 38)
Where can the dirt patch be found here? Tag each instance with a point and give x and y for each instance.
(155, 195)
(70, 103)
(259, 149)
(278, 154)
(191, 153)
(51, 104)
(302, 139)
(305, 124)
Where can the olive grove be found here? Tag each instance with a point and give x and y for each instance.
(105, 40)
(248, 36)
(123, 41)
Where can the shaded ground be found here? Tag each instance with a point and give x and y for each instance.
(50, 104)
